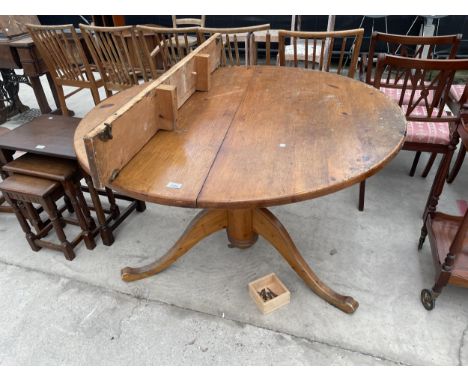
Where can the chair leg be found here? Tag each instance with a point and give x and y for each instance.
(106, 232)
(114, 208)
(69, 204)
(429, 164)
(30, 236)
(33, 217)
(88, 238)
(415, 163)
(84, 207)
(422, 238)
(95, 94)
(457, 165)
(362, 193)
(51, 209)
(61, 97)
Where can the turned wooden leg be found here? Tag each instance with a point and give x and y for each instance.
(268, 226)
(33, 217)
(203, 225)
(429, 164)
(114, 208)
(84, 206)
(438, 184)
(422, 238)
(71, 191)
(457, 165)
(105, 231)
(68, 204)
(362, 195)
(30, 236)
(415, 163)
(51, 209)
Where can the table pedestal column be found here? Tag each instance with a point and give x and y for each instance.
(243, 227)
(240, 228)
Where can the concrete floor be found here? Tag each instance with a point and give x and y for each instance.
(198, 312)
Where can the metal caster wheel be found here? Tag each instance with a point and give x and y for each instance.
(427, 299)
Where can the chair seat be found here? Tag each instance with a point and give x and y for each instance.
(43, 167)
(437, 133)
(28, 185)
(395, 94)
(456, 92)
(289, 51)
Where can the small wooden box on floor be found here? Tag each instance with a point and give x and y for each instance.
(272, 282)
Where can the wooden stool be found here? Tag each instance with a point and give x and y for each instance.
(29, 190)
(65, 171)
(4, 208)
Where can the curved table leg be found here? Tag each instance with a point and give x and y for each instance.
(268, 226)
(203, 225)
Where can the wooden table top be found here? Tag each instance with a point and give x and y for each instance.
(50, 135)
(261, 136)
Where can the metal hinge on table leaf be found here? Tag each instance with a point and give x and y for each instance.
(106, 134)
(114, 175)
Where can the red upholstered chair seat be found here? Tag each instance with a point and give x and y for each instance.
(426, 132)
(395, 94)
(456, 91)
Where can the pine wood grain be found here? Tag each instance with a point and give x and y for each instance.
(228, 148)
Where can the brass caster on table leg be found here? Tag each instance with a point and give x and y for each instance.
(428, 299)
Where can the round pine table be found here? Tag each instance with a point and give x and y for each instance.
(262, 136)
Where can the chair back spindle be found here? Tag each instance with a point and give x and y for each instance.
(427, 81)
(409, 46)
(162, 48)
(116, 52)
(238, 40)
(315, 49)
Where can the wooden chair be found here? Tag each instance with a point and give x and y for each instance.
(456, 93)
(65, 59)
(319, 49)
(296, 21)
(168, 46)
(25, 190)
(423, 47)
(430, 128)
(238, 40)
(448, 236)
(116, 52)
(192, 41)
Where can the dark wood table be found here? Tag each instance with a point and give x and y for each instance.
(52, 135)
(42, 136)
(21, 53)
(261, 136)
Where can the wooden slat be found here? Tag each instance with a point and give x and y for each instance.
(134, 123)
